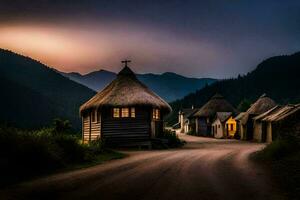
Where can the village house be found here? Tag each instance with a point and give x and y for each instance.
(280, 120)
(224, 125)
(238, 119)
(206, 114)
(263, 104)
(125, 112)
(185, 121)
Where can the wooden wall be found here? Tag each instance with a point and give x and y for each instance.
(129, 130)
(91, 129)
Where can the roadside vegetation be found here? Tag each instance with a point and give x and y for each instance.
(27, 154)
(167, 139)
(282, 157)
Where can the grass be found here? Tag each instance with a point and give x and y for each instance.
(107, 155)
(282, 157)
(28, 154)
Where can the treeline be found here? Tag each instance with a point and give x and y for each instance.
(32, 94)
(278, 77)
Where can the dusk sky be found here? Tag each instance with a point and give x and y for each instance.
(194, 38)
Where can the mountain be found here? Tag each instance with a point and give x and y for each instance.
(34, 94)
(278, 77)
(169, 86)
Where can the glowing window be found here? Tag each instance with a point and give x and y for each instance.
(156, 113)
(125, 112)
(116, 112)
(132, 112)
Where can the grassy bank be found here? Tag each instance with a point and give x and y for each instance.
(28, 154)
(282, 157)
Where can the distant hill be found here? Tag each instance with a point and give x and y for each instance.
(33, 94)
(278, 77)
(169, 86)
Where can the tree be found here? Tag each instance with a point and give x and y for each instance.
(61, 126)
(244, 105)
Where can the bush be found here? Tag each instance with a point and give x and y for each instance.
(280, 148)
(282, 158)
(171, 137)
(191, 132)
(26, 154)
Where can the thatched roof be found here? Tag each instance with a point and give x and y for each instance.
(216, 104)
(263, 104)
(223, 116)
(269, 112)
(240, 116)
(187, 112)
(282, 113)
(126, 90)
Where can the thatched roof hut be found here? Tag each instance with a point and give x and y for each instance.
(125, 112)
(206, 114)
(216, 104)
(263, 104)
(126, 90)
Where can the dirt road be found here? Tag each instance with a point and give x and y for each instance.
(204, 169)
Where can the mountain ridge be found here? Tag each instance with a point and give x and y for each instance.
(276, 76)
(169, 85)
(59, 96)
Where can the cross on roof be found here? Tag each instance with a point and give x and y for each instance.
(126, 62)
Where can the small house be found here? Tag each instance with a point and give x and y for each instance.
(280, 120)
(259, 126)
(206, 114)
(125, 112)
(224, 125)
(263, 104)
(237, 119)
(184, 119)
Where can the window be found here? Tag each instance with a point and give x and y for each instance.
(116, 112)
(156, 113)
(94, 116)
(219, 126)
(125, 112)
(231, 127)
(132, 112)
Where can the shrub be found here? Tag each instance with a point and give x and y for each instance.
(191, 132)
(97, 146)
(173, 140)
(280, 148)
(28, 153)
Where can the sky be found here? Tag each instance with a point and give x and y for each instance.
(195, 38)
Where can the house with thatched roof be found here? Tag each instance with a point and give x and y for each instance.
(280, 120)
(125, 112)
(206, 114)
(224, 125)
(262, 104)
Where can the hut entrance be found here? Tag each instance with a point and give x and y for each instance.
(249, 130)
(264, 132)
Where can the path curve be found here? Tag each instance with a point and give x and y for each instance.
(204, 168)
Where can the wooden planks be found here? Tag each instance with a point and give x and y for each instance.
(90, 129)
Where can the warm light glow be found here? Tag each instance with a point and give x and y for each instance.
(156, 114)
(125, 112)
(116, 112)
(231, 127)
(132, 112)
